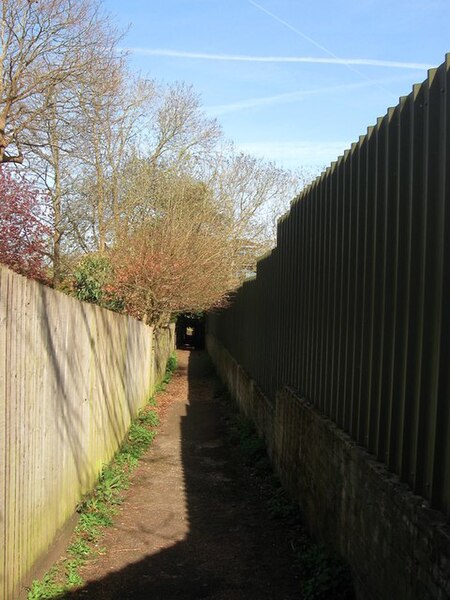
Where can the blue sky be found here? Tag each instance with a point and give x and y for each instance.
(293, 82)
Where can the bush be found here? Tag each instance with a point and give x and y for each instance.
(92, 279)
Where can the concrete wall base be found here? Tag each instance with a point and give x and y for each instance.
(397, 547)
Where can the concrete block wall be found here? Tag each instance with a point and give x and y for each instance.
(396, 546)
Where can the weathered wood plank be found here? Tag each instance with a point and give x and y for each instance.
(72, 376)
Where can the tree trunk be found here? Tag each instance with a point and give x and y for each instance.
(4, 141)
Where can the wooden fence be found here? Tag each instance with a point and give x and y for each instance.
(72, 376)
(352, 308)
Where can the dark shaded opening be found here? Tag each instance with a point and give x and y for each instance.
(190, 332)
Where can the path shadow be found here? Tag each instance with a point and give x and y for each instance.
(233, 551)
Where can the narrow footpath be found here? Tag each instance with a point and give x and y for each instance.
(194, 523)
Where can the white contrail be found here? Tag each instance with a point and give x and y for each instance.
(280, 59)
(311, 41)
(294, 29)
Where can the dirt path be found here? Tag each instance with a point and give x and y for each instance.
(193, 524)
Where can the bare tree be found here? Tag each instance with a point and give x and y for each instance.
(178, 131)
(51, 141)
(44, 45)
(252, 194)
(110, 129)
(136, 137)
(54, 137)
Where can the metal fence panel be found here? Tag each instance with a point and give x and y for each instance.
(352, 308)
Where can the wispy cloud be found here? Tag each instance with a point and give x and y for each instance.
(292, 96)
(329, 60)
(292, 154)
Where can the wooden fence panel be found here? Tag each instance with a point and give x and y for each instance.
(72, 376)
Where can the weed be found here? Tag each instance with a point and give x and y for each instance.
(98, 508)
(88, 527)
(171, 363)
(138, 440)
(140, 435)
(251, 446)
(279, 505)
(325, 575)
(46, 588)
(149, 418)
(98, 517)
(127, 461)
(112, 480)
(73, 578)
(79, 548)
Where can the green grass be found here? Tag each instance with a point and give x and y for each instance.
(47, 587)
(171, 365)
(98, 508)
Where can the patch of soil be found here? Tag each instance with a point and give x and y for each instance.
(195, 522)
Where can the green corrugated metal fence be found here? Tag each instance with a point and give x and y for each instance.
(352, 308)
